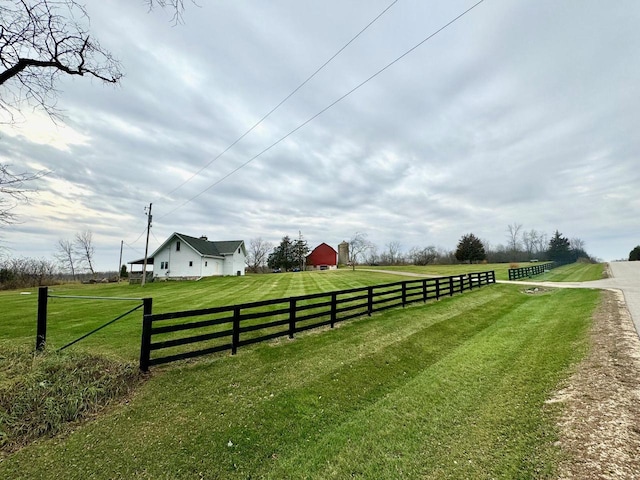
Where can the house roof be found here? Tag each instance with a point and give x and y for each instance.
(205, 247)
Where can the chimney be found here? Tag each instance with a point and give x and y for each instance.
(204, 237)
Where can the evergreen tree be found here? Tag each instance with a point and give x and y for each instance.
(300, 251)
(470, 248)
(282, 255)
(634, 254)
(559, 250)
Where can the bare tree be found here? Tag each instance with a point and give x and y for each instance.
(372, 257)
(84, 244)
(391, 256)
(41, 40)
(258, 253)
(530, 239)
(13, 191)
(67, 256)
(176, 5)
(541, 243)
(358, 246)
(576, 244)
(423, 256)
(513, 242)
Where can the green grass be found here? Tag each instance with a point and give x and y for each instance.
(41, 394)
(453, 389)
(575, 272)
(501, 269)
(68, 319)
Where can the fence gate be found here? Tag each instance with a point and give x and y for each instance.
(43, 297)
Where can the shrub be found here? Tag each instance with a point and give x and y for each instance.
(40, 394)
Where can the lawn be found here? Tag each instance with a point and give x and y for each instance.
(575, 272)
(451, 389)
(69, 319)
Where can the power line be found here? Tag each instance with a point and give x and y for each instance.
(324, 109)
(284, 99)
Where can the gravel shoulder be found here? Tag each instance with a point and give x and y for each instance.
(600, 420)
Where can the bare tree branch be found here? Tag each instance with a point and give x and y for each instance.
(41, 40)
(13, 191)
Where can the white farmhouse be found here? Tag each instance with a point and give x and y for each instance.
(182, 256)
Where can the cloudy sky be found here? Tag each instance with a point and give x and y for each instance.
(524, 112)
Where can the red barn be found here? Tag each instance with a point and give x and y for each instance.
(323, 257)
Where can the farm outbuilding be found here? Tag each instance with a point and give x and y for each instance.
(323, 257)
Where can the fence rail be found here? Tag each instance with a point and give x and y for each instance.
(218, 329)
(527, 272)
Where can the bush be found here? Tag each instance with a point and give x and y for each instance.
(40, 394)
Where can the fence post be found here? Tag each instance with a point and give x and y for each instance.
(41, 331)
(462, 289)
(438, 288)
(145, 345)
(451, 286)
(235, 336)
(404, 294)
(370, 301)
(292, 317)
(424, 291)
(334, 308)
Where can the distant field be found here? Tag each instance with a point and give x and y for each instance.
(576, 272)
(501, 269)
(452, 389)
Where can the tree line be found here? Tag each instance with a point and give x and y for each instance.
(521, 246)
(73, 261)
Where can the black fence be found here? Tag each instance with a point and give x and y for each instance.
(528, 272)
(230, 327)
(44, 296)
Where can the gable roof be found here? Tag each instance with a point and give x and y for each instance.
(322, 245)
(205, 247)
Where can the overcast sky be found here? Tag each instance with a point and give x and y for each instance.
(524, 112)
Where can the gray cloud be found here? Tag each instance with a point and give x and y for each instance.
(518, 112)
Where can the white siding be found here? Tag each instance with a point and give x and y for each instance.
(202, 266)
(178, 261)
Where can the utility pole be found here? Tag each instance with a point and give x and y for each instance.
(120, 262)
(146, 247)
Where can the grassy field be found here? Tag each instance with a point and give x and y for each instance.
(575, 272)
(69, 319)
(453, 389)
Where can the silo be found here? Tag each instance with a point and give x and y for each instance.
(343, 253)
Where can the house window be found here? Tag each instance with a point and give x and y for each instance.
(190, 263)
(205, 264)
(161, 265)
(177, 246)
(166, 265)
(238, 250)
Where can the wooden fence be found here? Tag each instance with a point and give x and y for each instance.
(527, 272)
(230, 327)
